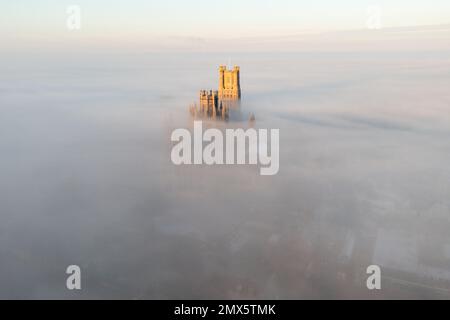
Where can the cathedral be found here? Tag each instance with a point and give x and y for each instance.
(217, 103)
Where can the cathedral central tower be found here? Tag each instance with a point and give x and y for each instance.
(229, 83)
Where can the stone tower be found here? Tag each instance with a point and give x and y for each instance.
(209, 103)
(229, 83)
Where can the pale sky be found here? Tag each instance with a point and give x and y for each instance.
(207, 18)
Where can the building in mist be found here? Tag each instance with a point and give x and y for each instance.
(217, 103)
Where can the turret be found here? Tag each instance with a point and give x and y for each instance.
(236, 82)
(222, 70)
